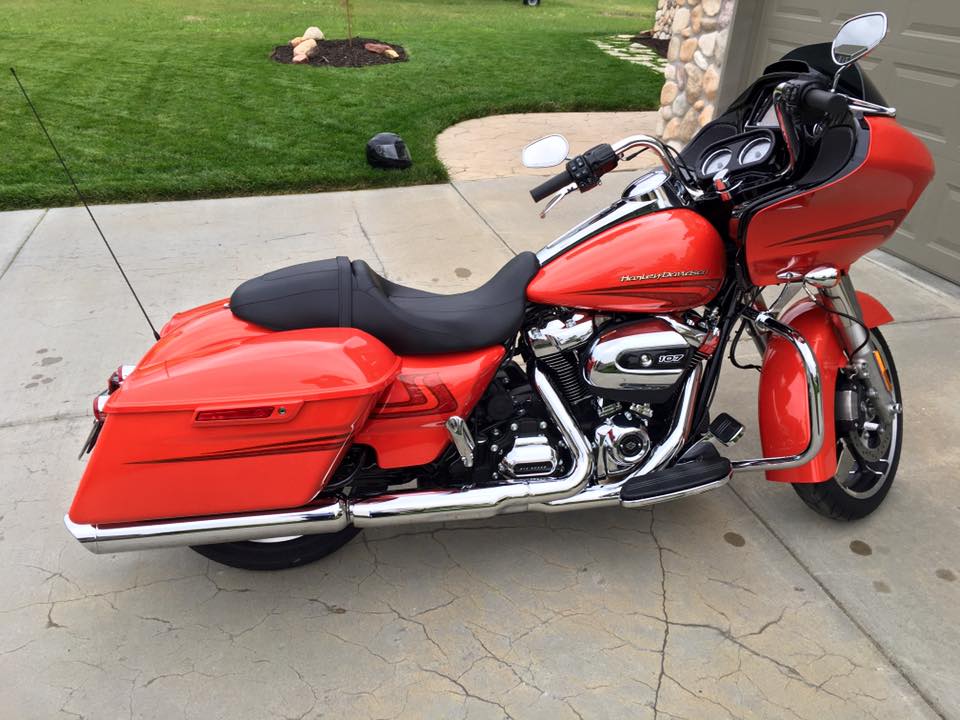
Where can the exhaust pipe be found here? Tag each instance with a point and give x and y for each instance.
(608, 495)
(382, 511)
(102, 539)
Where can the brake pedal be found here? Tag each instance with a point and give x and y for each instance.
(726, 428)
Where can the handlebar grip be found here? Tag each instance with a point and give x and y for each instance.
(825, 102)
(554, 184)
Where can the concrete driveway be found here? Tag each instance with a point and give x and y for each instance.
(736, 604)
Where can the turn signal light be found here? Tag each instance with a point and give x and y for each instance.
(99, 403)
(247, 413)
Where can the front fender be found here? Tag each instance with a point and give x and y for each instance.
(783, 414)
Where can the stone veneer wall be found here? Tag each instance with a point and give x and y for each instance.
(699, 34)
(663, 24)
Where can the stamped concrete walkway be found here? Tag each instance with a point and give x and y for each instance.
(490, 147)
(740, 603)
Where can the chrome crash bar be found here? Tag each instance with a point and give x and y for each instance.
(766, 321)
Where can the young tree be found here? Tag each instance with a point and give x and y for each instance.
(348, 9)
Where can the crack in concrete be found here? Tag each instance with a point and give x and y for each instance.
(929, 701)
(483, 219)
(16, 253)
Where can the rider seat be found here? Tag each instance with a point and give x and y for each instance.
(340, 293)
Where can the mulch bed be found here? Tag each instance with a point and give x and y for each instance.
(342, 53)
(655, 44)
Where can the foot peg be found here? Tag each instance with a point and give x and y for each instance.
(726, 429)
(706, 472)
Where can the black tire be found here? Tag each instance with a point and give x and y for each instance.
(831, 498)
(531, 3)
(277, 555)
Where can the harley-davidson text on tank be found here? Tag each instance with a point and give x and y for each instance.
(662, 275)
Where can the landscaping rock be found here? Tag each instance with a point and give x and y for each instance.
(382, 49)
(296, 41)
(305, 50)
(337, 53)
(313, 33)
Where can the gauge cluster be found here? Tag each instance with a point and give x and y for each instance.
(741, 152)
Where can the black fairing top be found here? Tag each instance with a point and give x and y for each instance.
(809, 61)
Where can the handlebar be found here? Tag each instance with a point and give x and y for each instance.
(824, 101)
(554, 184)
(584, 171)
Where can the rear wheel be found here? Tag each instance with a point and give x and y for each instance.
(868, 453)
(277, 553)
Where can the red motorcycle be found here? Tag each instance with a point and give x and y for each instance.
(322, 398)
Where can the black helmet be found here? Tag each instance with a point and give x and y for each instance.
(388, 150)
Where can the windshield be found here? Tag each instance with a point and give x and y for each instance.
(853, 81)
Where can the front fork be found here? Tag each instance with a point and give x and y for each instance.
(865, 360)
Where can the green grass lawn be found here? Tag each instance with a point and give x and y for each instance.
(167, 99)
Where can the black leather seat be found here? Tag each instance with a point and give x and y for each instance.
(338, 293)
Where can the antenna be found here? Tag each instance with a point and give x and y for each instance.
(83, 200)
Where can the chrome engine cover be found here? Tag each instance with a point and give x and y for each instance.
(621, 443)
(531, 456)
(647, 355)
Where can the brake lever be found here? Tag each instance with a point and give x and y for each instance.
(557, 198)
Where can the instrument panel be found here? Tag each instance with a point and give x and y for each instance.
(741, 152)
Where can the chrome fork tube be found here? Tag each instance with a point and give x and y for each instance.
(842, 298)
(665, 452)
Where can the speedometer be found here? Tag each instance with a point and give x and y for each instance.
(755, 151)
(716, 161)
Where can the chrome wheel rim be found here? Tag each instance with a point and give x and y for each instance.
(866, 454)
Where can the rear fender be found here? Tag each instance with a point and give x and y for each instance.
(783, 413)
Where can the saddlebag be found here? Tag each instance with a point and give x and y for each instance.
(222, 416)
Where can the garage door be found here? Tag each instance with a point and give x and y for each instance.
(917, 68)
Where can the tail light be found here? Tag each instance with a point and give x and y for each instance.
(113, 384)
(118, 376)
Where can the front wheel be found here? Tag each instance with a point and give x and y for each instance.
(868, 454)
(277, 553)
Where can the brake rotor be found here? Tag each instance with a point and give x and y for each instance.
(869, 445)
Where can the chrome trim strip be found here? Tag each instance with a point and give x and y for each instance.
(765, 321)
(689, 492)
(627, 207)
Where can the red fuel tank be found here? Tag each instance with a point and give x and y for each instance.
(668, 260)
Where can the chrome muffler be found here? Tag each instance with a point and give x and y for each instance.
(336, 514)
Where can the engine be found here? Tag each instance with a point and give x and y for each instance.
(621, 378)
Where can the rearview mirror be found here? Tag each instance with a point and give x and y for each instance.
(858, 36)
(546, 152)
